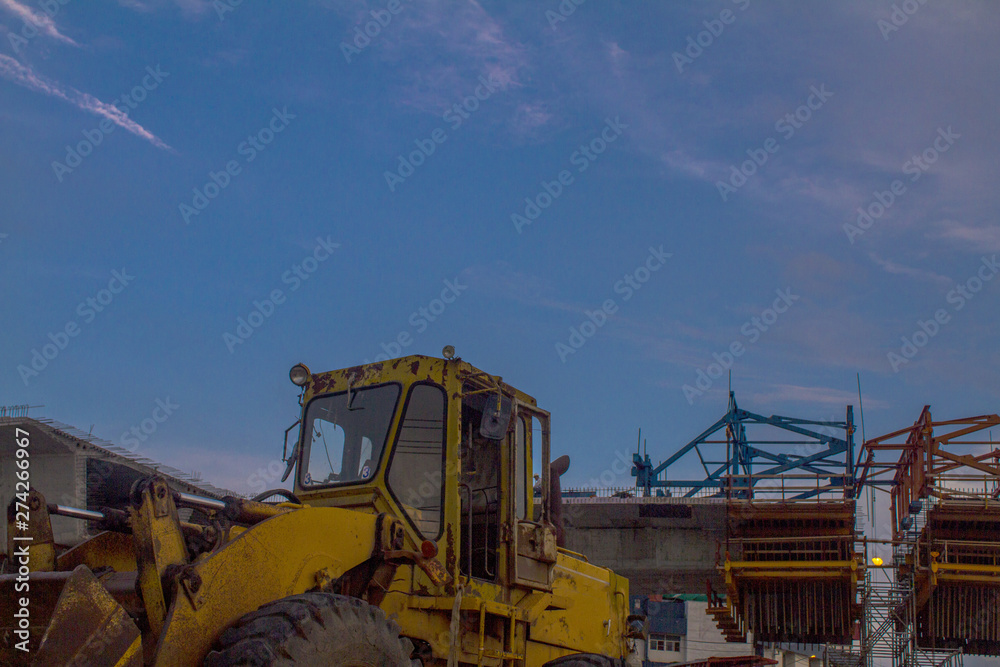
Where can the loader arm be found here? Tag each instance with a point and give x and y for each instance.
(285, 555)
(189, 596)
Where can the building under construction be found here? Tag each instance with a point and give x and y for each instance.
(77, 469)
(783, 500)
(944, 491)
(768, 540)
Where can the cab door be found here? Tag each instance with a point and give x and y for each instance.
(533, 544)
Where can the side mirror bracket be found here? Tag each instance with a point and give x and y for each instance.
(496, 417)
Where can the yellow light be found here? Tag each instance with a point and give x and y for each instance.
(877, 561)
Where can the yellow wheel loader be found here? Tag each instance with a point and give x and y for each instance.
(410, 537)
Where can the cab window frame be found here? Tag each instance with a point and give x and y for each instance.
(444, 457)
(303, 466)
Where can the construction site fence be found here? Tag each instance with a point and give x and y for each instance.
(756, 488)
(609, 494)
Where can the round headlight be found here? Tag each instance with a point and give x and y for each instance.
(299, 375)
(448, 352)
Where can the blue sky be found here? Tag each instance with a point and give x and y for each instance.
(612, 120)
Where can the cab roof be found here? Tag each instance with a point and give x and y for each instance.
(408, 369)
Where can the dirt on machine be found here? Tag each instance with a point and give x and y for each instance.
(412, 536)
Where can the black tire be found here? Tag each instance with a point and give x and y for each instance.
(284, 493)
(312, 629)
(584, 660)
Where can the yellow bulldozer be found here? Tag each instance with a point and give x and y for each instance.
(410, 537)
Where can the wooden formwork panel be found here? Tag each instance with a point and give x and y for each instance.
(804, 612)
(961, 616)
(792, 570)
(959, 577)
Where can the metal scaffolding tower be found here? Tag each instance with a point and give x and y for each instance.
(795, 565)
(945, 516)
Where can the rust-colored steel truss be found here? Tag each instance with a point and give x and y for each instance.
(945, 510)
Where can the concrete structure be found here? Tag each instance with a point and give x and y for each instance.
(73, 468)
(668, 548)
(663, 545)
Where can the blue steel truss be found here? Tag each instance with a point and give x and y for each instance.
(748, 462)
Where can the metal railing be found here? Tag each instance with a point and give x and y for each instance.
(15, 411)
(629, 495)
(788, 488)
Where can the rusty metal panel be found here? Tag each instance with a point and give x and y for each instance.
(89, 627)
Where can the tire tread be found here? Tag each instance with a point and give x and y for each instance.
(298, 629)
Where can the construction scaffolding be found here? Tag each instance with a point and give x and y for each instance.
(886, 637)
(790, 557)
(792, 570)
(945, 518)
(796, 567)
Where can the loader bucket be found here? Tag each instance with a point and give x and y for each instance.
(88, 627)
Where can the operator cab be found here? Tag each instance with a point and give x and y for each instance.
(439, 443)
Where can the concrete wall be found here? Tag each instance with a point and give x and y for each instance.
(662, 548)
(53, 470)
(58, 457)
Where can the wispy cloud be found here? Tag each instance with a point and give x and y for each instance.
(790, 393)
(890, 266)
(23, 75)
(982, 239)
(679, 160)
(190, 9)
(530, 116)
(499, 279)
(42, 21)
(442, 48)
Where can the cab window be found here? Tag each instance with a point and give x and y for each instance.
(344, 435)
(417, 467)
